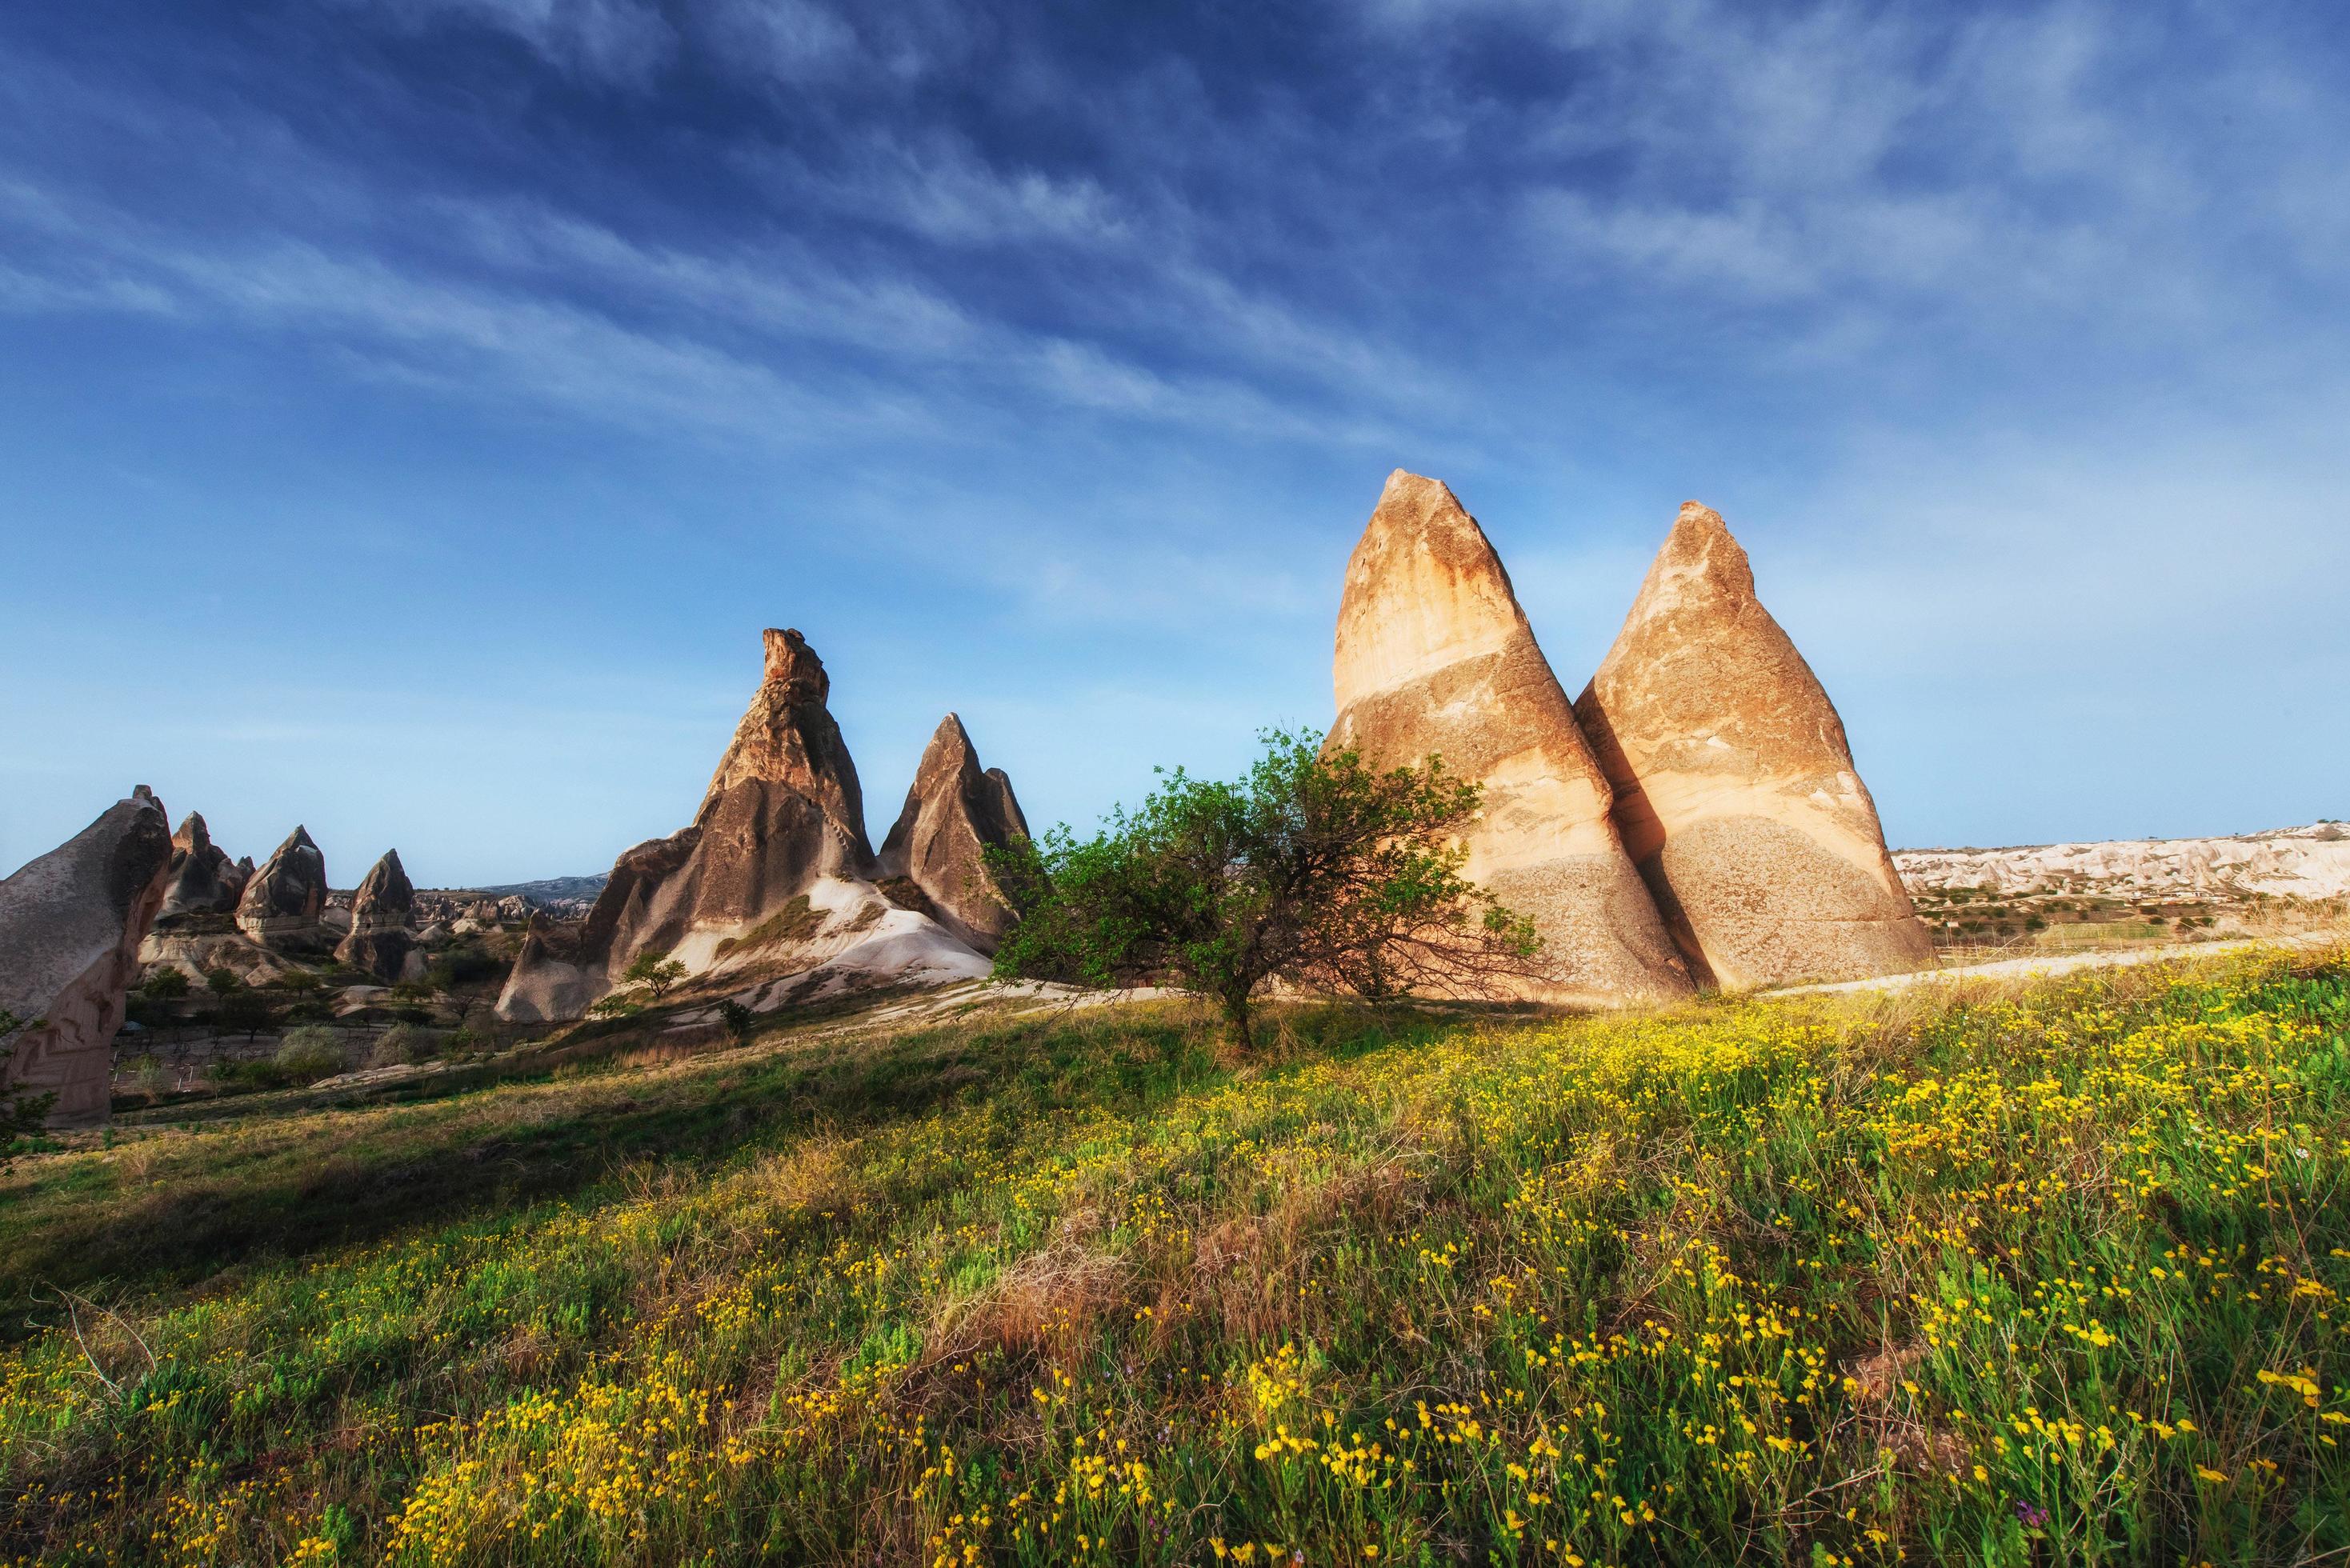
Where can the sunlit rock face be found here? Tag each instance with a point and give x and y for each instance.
(1434, 656)
(71, 926)
(955, 812)
(1734, 786)
(782, 813)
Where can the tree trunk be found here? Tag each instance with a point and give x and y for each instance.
(1236, 1024)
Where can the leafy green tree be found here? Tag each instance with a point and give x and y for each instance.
(737, 1018)
(220, 982)
(166, 984)
(656, 972)
(1315, 869)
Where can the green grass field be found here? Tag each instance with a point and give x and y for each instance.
(2031, 1277)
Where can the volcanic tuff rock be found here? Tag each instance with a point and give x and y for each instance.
(1435, 656)
(1734, 784)
(379, 941)
(952, 814)
(548, 983)
(71, 926)
(201, 880)
(784, 811)
(284, 901)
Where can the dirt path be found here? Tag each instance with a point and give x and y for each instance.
(2065, 963)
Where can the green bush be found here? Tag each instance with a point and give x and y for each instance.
(402, 1044)
(166, 984)
(150, 1078)
(309, 1053)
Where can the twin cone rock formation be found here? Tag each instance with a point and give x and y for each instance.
(775, 883)
(1692, 819)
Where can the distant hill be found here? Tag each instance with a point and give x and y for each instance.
(563, 896)
(2310, 862)
(555, 889)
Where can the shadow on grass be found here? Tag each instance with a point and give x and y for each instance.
(278, 1178)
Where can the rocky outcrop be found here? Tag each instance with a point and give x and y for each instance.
(1734, 784)
(784, 812)
(70, 926)
(379, 939)
(1435, 658)
(549, 983)
(203, 880)
(283, 905)
(954, 813)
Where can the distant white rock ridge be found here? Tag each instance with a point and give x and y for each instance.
(2308, 862)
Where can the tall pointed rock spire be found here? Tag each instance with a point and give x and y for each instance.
(954, 814)
(1434, 655)
(283, 901)
(784, 811)
(1734, 784)
(379, 941)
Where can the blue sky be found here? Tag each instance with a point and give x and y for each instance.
(410, 411)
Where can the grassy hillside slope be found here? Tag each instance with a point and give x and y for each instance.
(2030, 1277)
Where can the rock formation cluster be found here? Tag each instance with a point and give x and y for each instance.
(1694, 820)
(71, 926)
(775, 878)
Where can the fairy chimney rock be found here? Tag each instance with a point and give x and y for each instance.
(783, 812)
(380, 940)
(954, 813)
(71, 926)
(1434, 655)
(1734, 784)
(202, 879)
(284, 901)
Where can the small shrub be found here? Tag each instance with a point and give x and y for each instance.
(796, 921)
(150, 1078)
(309, 1053)
(401, 1044)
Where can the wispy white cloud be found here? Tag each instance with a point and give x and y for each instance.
(622, 42)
